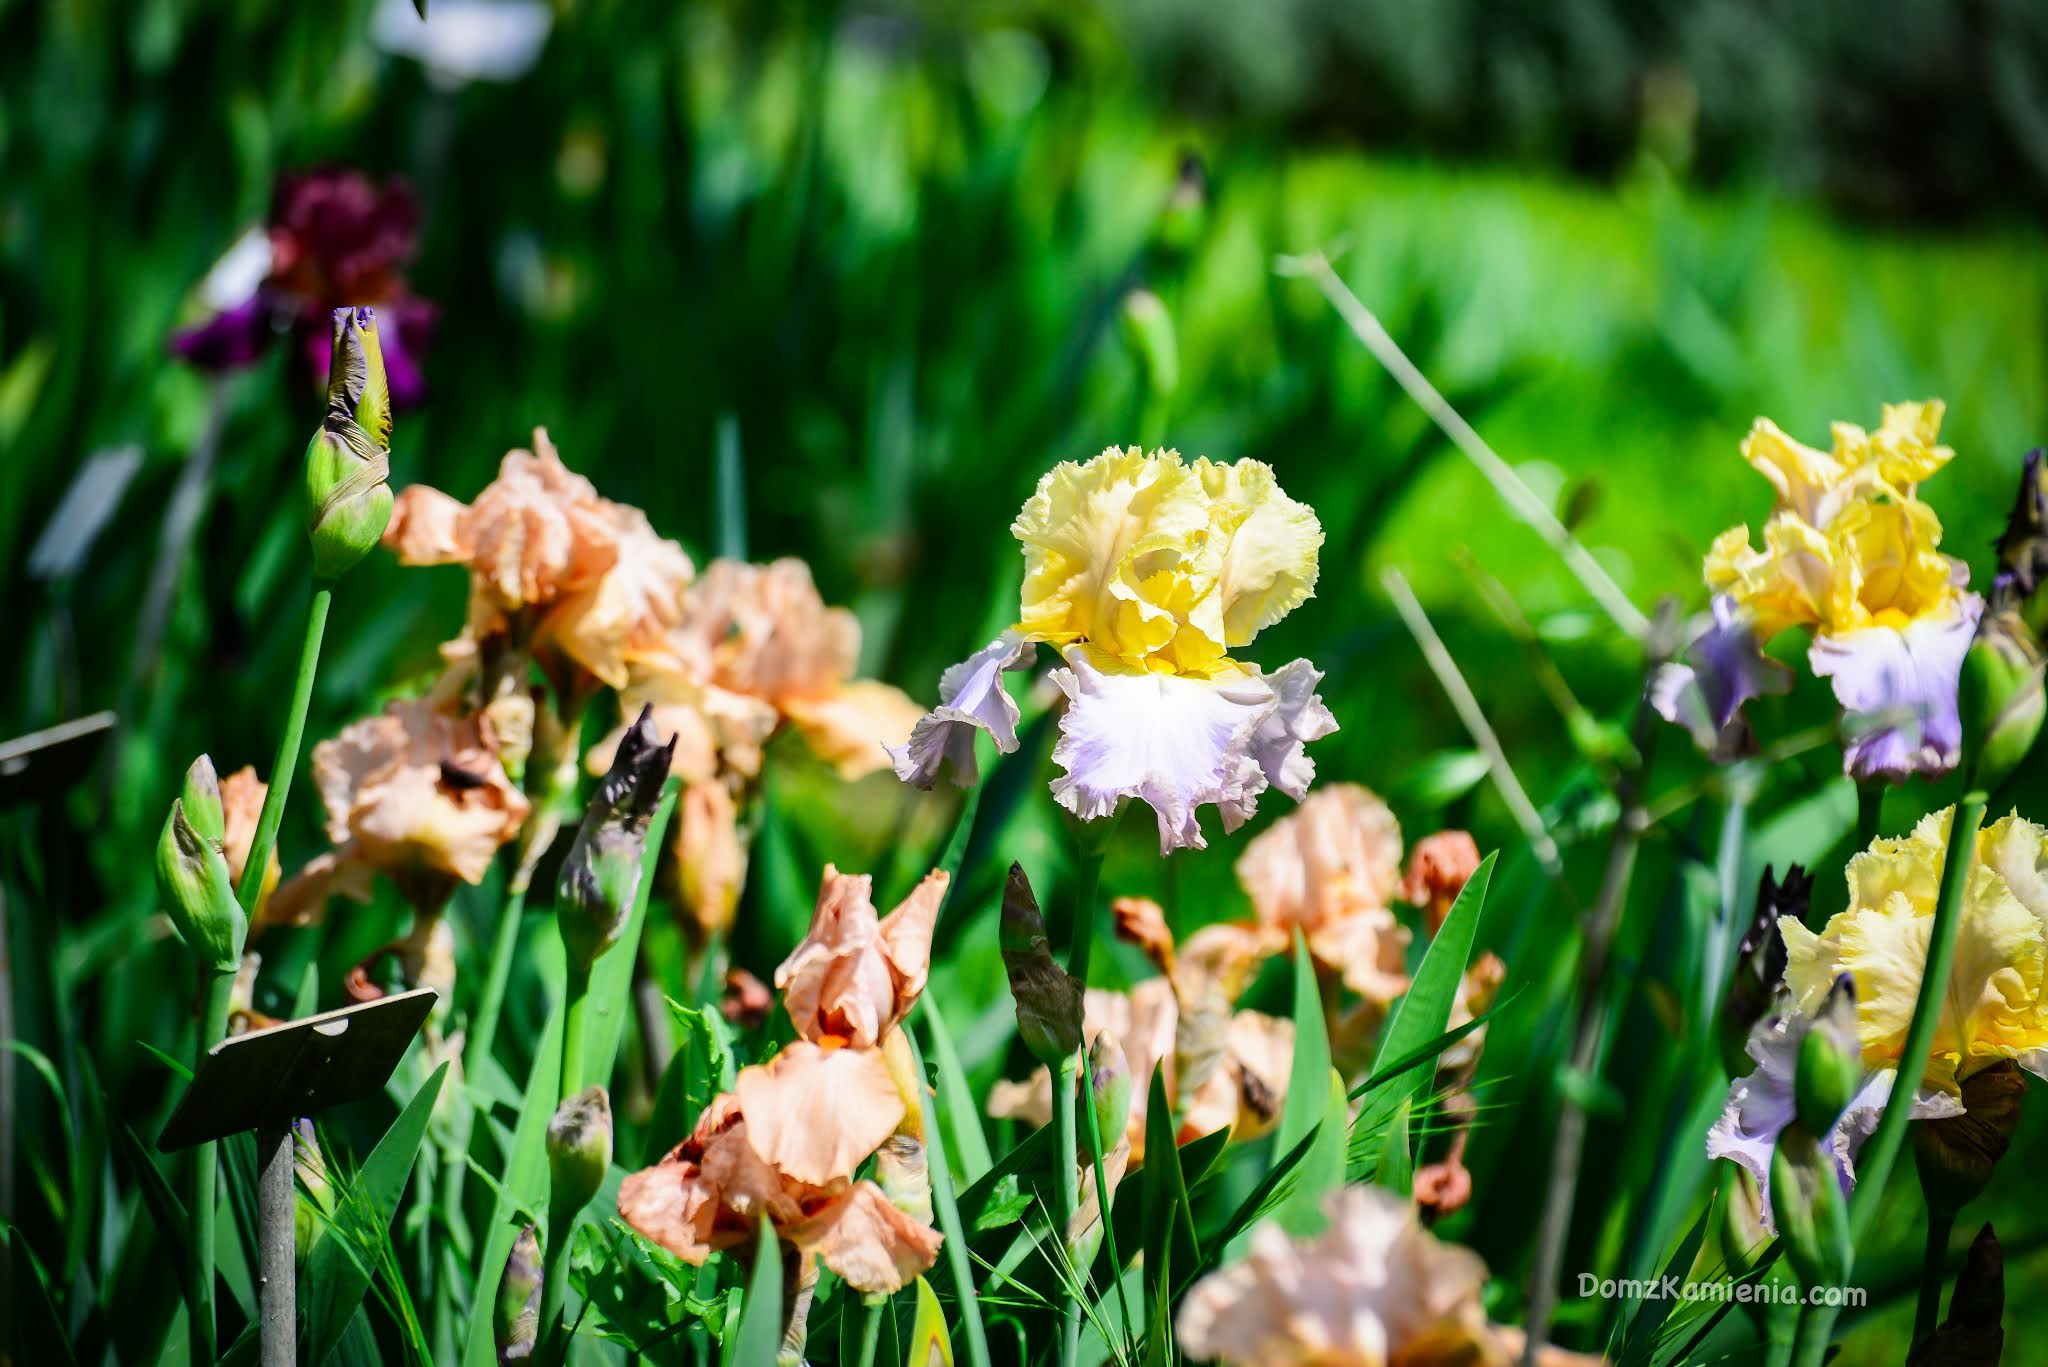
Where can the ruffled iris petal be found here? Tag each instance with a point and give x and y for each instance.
(1898, 685)
(971, 698)
(1724, 668)
(1180, 743)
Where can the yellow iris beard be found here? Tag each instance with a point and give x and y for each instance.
(1849, 546)
(1162, 565)
(1996, 1006)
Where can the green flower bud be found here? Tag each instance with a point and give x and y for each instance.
(601, 874)
(1958, 1154)
(1109, 1082)
(314, 1209)
(1813, 1215)
(1743, 1236)
(579, 1151)
(1148, 331)
(348, 467)
(1830, 1067)
(1048, 997)
(515, 1323)
(2001, 697)
(192, 873)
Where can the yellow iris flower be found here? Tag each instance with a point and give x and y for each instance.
(1848, 546)
(1160, 565)
(1996, 1007)
(1146, 573)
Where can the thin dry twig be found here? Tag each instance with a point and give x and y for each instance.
(1474, 717)
(1522, 501)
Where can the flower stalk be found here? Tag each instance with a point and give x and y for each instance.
(1874, 1165)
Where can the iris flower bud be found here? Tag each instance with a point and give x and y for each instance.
(1813, 1214)
(1957, 1155)
(601, 874)
(314, 1208)
(1830, 1067)
(1148, 331)
(579, 1150)
(1109, 1083)
(1760, 960)
(1048, 997)
(348, 466)
(2001, 696)
(192, 873)
(515, 1323)
(1974, 1332)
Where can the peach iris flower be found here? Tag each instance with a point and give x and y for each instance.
(1375, 1289)
(561, 570)
(856, 975)
(712, 1190)
(412, 793)
(787, 1140)
(1332, 870)
(755, 648)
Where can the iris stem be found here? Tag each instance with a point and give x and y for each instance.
(1116, 1262)
(1874, 1164)
(1091, 843)
(213, 1027)
(483, 1033)
(272, 816)
(213, 1021)
(947, 1207)
(870, 1329)
(572, 1031)
(1064, 1124)
(1081, 925)
(1932, 1275)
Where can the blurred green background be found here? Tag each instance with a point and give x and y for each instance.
(893, 246)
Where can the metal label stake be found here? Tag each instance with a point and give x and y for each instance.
(265, 1081)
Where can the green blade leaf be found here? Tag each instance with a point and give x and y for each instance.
(1307, 1098)
(1422, 1014)
(929, 1346)
(338, 1269)
(1396, 1170)
(760, 1331)
(523, 1187)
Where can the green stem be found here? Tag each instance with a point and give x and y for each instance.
(213, 1027)
(554, 1288)
(1065, 1126)
(287, 752)
(1116, 1262)
(1874, 1164)
(1932, 1269)
(483, 1033)
(572, 1031)
(870, 1329)
(947, 1207)
(483, 1028)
